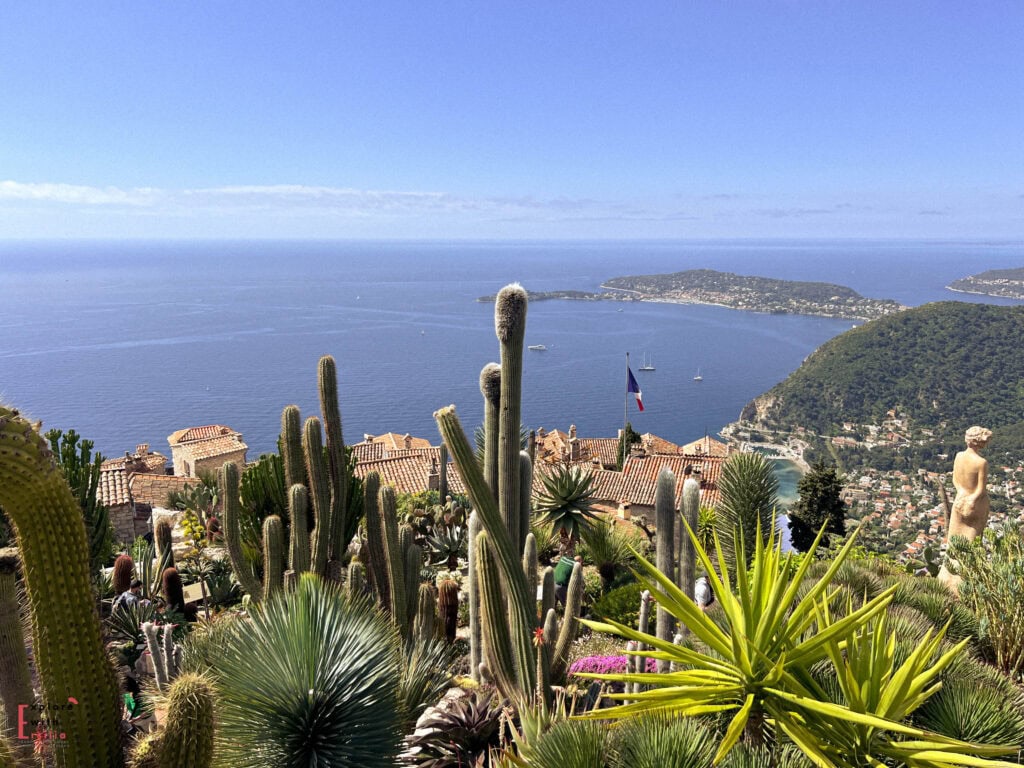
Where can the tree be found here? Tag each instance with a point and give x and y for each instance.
(750, 493)
(627, 439)
(566, 502)
(820, 504)
(81, 470)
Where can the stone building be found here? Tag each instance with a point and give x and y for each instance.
(205, 449)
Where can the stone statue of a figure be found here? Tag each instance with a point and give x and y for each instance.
(969, 514)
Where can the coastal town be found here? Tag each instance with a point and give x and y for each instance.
(902, 510)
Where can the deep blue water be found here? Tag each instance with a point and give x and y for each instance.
(127, 342)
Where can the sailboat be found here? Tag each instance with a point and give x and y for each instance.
(648, 365)
(698, 377)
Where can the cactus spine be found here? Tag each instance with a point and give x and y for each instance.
(448, 607)
(689, 510)
(664, 519)
(187, 736)
(15, 678)
(67, 640)
(273, 556)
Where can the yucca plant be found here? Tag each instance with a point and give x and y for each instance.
(880, 694)
(608, 548)
(310, 680)
(567, 744)
(425, 676)
(566, 503)
(758, 664)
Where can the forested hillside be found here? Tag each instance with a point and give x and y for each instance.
(945, 365)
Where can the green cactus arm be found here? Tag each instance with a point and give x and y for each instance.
(425, 625)
(530, 565)
(442, 479)
(689, 510)
(490, 388)
(327, 378)
(570, 624)
(412, 555)
(522, 606)
(319, 494)
(448, 608)
(525, 494)
(547, 590)
(355, 584)
(510, 327)
(291, 447)
(15, 677)
(495, 630)
(231, 512)
(298, 515)
(187, 736)
(273, 556)
(394, 556)
(67, 640)
(375, 539)
(664, 519)
(473, 590)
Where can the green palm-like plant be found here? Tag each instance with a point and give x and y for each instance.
(773, 631)
(985, 708)
(568, 744)
(879, 695)
(310, 680)
(566, 502)
(749, 494)
(608, 548)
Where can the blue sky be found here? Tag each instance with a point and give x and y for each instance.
(418, 119)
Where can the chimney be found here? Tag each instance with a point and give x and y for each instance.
(434, 478)
(408, 441)
(574, 446)
(142, 449)
(572, 431)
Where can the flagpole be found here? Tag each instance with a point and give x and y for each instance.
(625, 407)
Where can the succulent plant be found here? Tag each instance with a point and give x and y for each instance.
(457, 736)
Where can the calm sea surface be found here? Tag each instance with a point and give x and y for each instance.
(126, 342)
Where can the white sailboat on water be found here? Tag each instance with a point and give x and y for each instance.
(648, 364)
(698, 377)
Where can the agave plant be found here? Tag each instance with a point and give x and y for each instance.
(566, 502)
(425, 676)
(310, 679)
(459, 736)
(447, 543)
(758, 662)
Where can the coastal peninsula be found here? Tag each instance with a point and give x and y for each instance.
(726, 289)
(1005, 283)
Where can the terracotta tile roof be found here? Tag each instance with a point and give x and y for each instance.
(215, 446)
(408, 474)
(200, 433)
(154, 489)
(147, 462)
(707, 446)
(605, 449)
(396, 442)
(637, 482)
(659, 445)
(113, 488)
(365, 451)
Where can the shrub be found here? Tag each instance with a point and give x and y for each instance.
(621, 604)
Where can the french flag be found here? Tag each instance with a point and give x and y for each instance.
(633, 387)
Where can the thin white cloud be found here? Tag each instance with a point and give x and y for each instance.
(75, 194)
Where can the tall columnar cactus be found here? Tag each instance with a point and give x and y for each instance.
(689, 510)
(231, 511)
(412, 554)
(530, 564)
(67, 641)
(473, 596)
(525, 495)
(448, 607)
(664, 519)
(355, 584)
(163, 652)
(15, 678)
(394, 557)
(163, 539)
(377, 554)
(639, 661)
(173, 589)
(273, 556)
(442, 478)
(510, 327)
(124, 572)
(187, 736)
(490, 388)
(320, 469)
(569, 627)
(425, 624)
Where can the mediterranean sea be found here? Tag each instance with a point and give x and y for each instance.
(126, 341)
